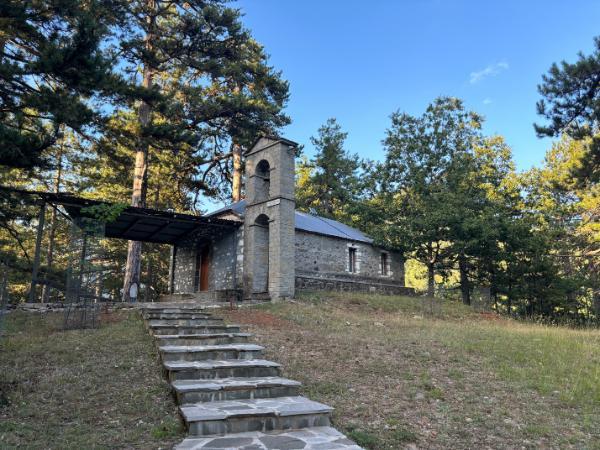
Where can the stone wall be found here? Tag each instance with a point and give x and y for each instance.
(329, 255)
(225, 268)
(313, 281)
(223, 260)
(270, 207)
(185, 267)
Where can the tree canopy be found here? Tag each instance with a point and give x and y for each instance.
(328, 182)
(571, 103)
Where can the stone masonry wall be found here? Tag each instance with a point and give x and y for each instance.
(224, 255)
(329, 255)
(312, 281)
(185, 266)
(277, 206)
(223, 259)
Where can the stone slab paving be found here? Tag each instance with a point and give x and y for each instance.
(202, 335)
(218, 364)
(232, 383)
(212, 352)
(225, 400)
(194, 329)
(316, 438)
(199, 326)
(210, 348)
(198, 339)
(281, 406)
(179, 315)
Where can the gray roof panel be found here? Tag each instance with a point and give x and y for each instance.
(329, 227)
(310, 223)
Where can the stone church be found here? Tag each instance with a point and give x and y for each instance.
(274, 250)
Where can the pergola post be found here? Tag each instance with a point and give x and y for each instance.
(172, 269)
(36, 255)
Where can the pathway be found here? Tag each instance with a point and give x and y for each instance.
(229, 397)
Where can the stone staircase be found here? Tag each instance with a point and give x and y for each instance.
(229, 397)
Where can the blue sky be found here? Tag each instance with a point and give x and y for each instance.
(360, 61)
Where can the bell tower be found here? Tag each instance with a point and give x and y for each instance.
(269, 223)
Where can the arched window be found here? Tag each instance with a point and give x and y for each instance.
(262, 176)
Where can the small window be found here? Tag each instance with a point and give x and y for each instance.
(352, 260)
(385, 264)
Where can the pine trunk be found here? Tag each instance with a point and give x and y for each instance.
(236, 189)
(53, 225)
(131, 282)
(465, 288)
(430, 279)
(596, 304)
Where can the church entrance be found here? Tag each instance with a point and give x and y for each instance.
(203, 266)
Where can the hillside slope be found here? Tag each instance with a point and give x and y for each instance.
(76, 389)
(401, 373)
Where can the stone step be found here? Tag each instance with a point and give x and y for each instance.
(178, 315)
(211, 369)
(178, 310)
(316, 438)
(202, 339)
(193, 329)
(176, 307)
(195, 391)
(198, 321)
(238, 416)
(225, 295)
(209, 352)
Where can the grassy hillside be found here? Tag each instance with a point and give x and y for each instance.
(401, 371)
(81, 389)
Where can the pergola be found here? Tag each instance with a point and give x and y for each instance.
(132, 223)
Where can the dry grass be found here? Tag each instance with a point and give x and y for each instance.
(81, 389)
(402, 372)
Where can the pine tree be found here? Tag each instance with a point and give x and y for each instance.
(204, 84)
(331, 181)
(571, 103)
(54, 74)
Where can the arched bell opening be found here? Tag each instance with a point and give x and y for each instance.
(262, 175)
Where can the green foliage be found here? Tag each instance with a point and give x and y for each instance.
(571, 94)
(450, 199)
(212, 86)
(328, 183)
(104, 212)
(53, 65)
(363, 438)
(427, 159)
(404, 435)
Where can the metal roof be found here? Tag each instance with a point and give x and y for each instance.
(307, 222)
(329, 227)
(139, 224)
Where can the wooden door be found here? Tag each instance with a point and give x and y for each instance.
(204, 267)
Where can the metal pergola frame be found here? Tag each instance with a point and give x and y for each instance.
(133, 223)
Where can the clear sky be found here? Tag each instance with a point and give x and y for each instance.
(359, 61)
